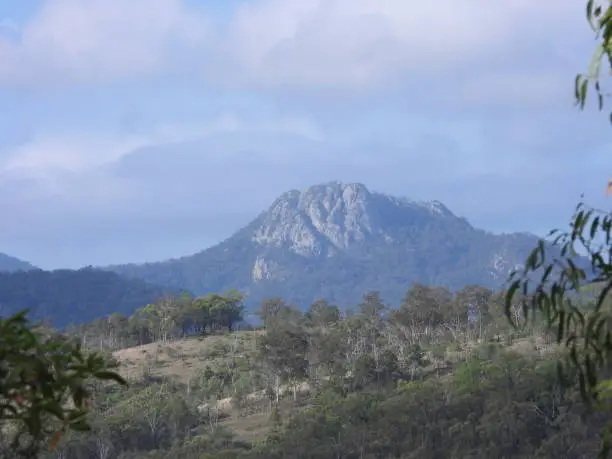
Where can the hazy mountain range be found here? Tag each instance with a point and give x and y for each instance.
(66, 296)
(337, 241)
(11, 264)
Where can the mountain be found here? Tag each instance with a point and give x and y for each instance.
(12, 264)
(74, 296)
(337, 241)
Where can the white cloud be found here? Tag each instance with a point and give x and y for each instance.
(348, 43)
(49, 153)
(360, 41)
(68, 180)
(98, 40)
(72, 152)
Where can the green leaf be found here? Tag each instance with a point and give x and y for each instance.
(110, 375)
(595, 65)
(54, 408)
(80, 426)
(589, 13)
(583, 93)
(577, 88)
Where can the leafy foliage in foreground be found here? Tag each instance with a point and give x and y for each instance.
(585, 329)
(585, 332)
(599, 16)
(43, 385)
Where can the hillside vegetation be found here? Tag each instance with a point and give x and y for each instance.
(74, 296)
(442, 376)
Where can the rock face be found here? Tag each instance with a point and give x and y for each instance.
(334, 217)
(323, 218)
(337, 241)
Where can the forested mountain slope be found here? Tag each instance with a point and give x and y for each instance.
(337, 241)
(74, 296)
(11, 264)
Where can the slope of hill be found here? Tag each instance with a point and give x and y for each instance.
(306, 383)
(12, 264)
(68, 296)
(339, 240)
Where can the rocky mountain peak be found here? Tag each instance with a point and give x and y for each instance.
(318, 220)
(338, 240)
(329, 217)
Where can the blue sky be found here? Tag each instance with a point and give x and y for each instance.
(137, 130)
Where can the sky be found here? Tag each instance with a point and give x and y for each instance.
(139, 130)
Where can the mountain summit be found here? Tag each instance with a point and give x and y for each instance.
(336, 241)
(334, 217)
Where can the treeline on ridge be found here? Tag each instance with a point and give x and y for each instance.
(179, 316)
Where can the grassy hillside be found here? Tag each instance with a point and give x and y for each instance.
(421, 381)
(182, 362)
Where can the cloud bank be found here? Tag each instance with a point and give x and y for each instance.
(153, 128)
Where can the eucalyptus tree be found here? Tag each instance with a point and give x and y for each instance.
(554, 283)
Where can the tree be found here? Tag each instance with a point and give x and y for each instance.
(471, 305)
(284, 350)
(322, 314)
(271, 309)
(151, 405)
(424, 307)
(372, 310)
(161, 316)
(228, 309)
(553, 282)
(216, 310)
(44, 385)
(200, 313)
